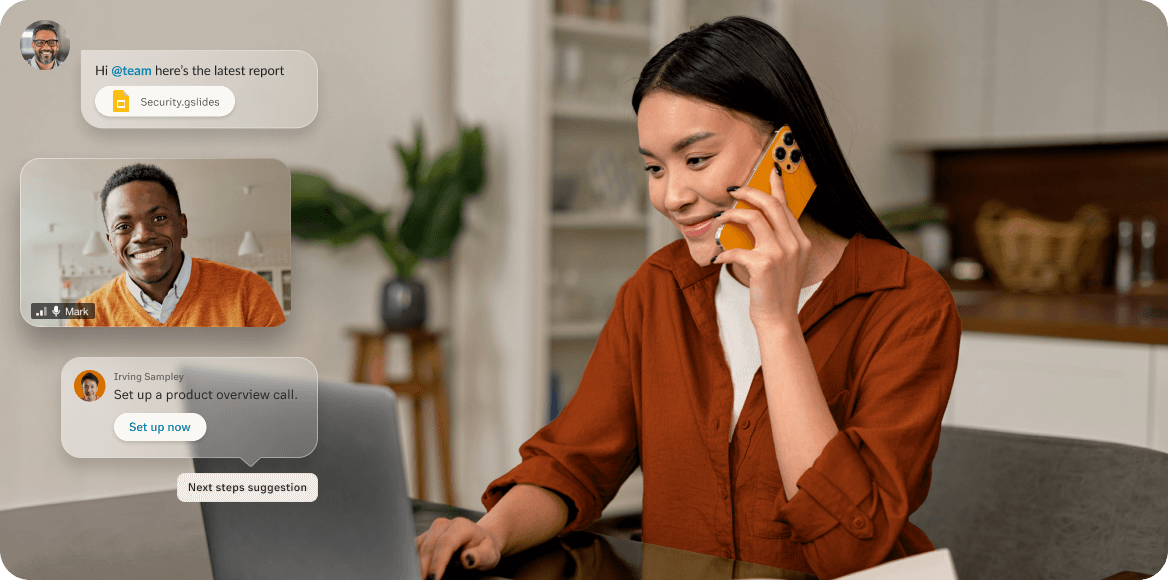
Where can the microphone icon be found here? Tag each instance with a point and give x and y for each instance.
(56, 310)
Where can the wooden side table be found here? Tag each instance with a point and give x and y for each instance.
(425, 382)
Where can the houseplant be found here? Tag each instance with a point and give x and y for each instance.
(426, 230)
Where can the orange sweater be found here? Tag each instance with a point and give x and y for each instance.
(217, 295)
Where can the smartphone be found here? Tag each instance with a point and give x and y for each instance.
(798, 185)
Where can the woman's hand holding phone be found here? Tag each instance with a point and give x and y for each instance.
(777, 264)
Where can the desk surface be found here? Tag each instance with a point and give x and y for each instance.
(583, 555)
(156, 536)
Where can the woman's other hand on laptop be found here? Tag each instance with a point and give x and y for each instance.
(526, 516)
(480, 548)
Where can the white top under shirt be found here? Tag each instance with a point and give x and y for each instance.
(739, 340)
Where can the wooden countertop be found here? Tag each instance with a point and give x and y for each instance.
(1095, 316)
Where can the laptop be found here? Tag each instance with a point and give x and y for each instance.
(361, 524)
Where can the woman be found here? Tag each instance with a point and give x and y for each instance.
(784, 402)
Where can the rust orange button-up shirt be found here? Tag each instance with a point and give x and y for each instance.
(883, 333)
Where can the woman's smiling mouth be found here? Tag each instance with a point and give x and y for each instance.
(697, 229)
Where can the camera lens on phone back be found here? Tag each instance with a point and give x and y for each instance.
(780, 153)
(796, 155)
(789, 139)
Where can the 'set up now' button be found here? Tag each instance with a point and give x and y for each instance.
(160, 426)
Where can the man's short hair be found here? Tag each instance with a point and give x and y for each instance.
(140, 172)
(89, 376)
(48, 27)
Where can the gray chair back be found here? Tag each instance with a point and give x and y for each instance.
(1029, 507)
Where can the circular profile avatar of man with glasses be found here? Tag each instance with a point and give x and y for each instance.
(43, 45)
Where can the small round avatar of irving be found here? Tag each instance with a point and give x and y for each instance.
(783, 401)
(90, 386)
(162, 285)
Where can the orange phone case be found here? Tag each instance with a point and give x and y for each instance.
(798, 186)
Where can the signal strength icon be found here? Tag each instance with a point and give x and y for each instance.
(41, 313)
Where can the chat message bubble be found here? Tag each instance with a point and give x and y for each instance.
(197, 89)
(246, 408)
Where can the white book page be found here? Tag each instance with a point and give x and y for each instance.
(935, 565)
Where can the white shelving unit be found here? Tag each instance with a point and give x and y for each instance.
(572, 110)
(587, 330)
(593, 28)
(597, 220)
(593, 246)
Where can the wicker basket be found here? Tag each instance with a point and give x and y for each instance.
(1027, 253)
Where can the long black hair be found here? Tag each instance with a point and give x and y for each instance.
(745, 65)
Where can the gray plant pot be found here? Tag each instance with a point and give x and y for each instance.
(403, 303)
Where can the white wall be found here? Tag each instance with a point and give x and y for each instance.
(498, 297)
(371, 92)
(42, 279)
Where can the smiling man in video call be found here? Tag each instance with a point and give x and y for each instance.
(44, 46)
(162, 285)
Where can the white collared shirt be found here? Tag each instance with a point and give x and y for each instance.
(161, 311)
(739, 339)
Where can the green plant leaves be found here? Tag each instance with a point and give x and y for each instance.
(471, 148)
(412, 230)
(314, 216)
(314, 220)
(413, 160)
(321, 213)
(430, 230)
(308, 186)
(372, 224)
(434, 219)
(430, 224)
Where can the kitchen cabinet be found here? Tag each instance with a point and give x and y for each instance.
(940, 55)
(1045, 56)
(1086, 389)
(1135, 79)
(976, 73)
(1158, 409)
